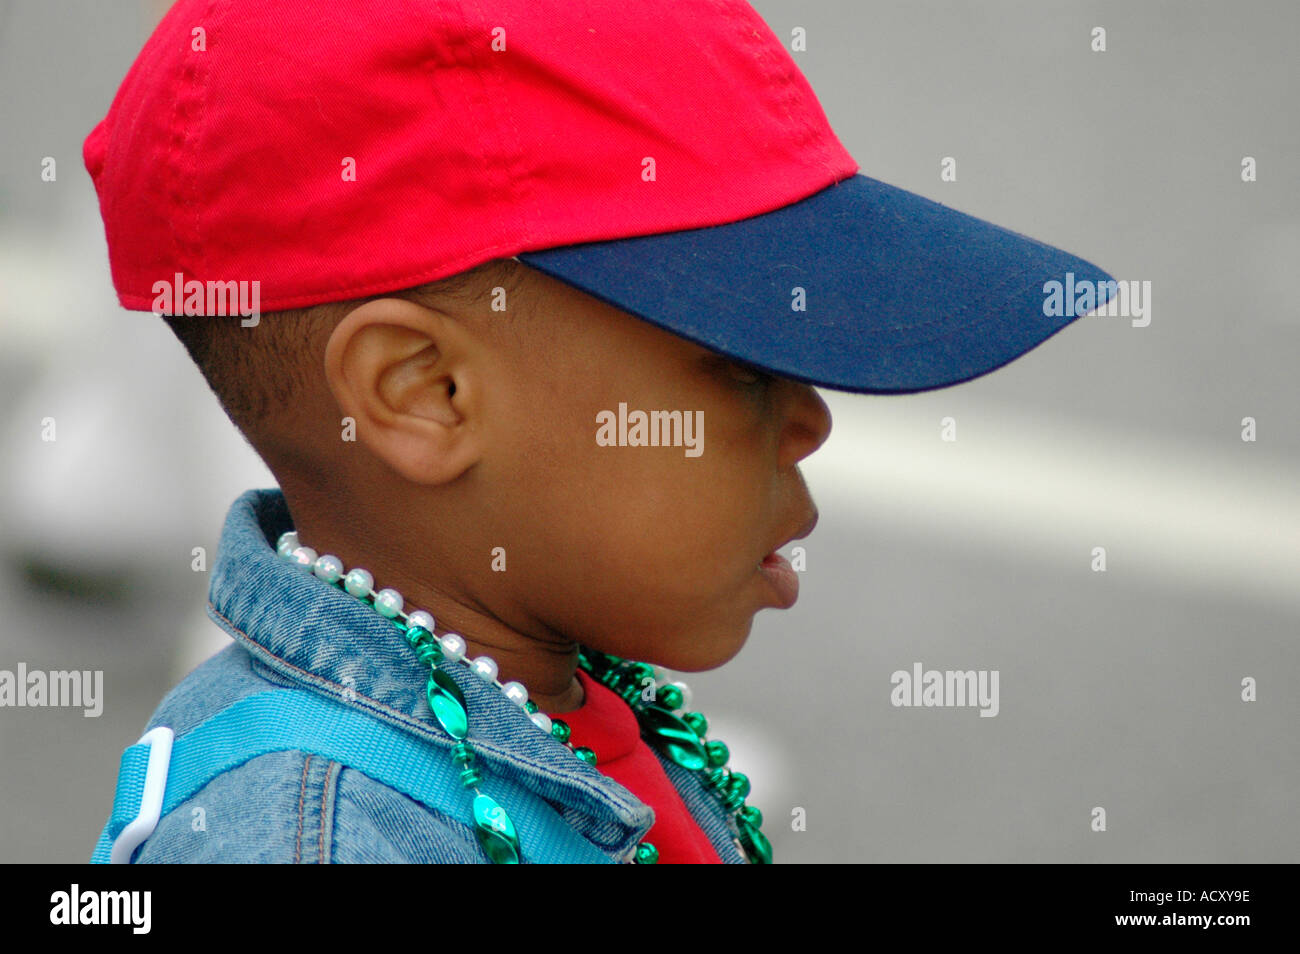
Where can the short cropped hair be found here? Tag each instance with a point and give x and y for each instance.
(256, 369)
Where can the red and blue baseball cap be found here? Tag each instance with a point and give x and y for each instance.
(669, 159)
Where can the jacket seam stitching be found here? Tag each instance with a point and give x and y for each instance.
(324, 794)
(302, 795)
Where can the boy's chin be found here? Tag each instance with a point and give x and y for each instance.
(697, 652)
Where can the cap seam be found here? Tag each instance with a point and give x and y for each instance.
(514, 154)
(777, 73)
(185, 159)
(463, 64)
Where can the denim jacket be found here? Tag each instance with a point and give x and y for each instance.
(293, 630)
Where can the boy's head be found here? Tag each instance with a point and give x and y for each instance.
(477, 449)
(654, 194)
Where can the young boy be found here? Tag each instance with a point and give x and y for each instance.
(521, 307)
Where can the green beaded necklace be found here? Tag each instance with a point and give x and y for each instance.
(681, 739)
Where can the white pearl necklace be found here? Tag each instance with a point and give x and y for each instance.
(390, 604)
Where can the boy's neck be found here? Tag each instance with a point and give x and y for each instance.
(545, 667)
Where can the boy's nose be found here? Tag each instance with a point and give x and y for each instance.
(807, 422)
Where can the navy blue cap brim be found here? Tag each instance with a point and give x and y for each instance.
(900, 293)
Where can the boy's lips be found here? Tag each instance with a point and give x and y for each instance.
(778, 572)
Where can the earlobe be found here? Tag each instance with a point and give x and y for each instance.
(401, 372)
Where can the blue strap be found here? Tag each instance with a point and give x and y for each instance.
(291, 719)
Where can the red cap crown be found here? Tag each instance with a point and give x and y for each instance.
(331, 151)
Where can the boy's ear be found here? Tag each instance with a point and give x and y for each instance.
(402, 372)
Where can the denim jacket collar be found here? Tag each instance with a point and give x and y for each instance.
(318, 637)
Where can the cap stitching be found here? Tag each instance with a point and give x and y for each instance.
(458, 73)
(525, 204)
(778, 74)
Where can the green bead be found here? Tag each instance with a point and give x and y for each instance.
(739, 784)
(600, 660)
(751, 815)
(417, 636)
(646, 854)
(461, 754)
(717, 779)
(621, 680)
(428, 653)
(448, 704)
(732, 800)
(717, 752)
(530, 707)
(630, 694)
(469, 777)
(586, 755)
(673, 738)
(670, 697)
(699, 725)
(757, 848)
(640, 672)
(560, 730)
(495, 832)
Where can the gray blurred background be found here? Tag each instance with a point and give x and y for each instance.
(1119, 689)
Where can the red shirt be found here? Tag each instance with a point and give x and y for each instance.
(606, 725)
